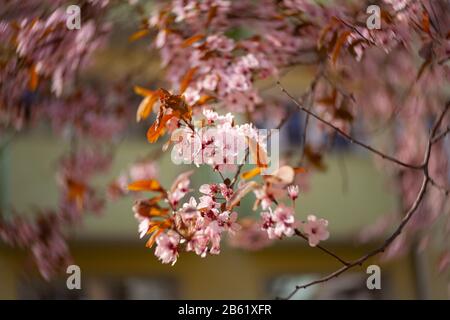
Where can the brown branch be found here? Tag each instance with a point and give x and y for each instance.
(380, 249)
(310, 95)
(239, 169)
(445, 190)
(301, 235)
(441, 135)
(409, 214)
(349, 137)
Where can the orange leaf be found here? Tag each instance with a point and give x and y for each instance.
(152, 239)
(211, 14)
(157, 227)
(337, 47)
(138, 34)
(34, 79)
(187, 79)
(156, 211)
(203, 100)
(143, 92)
(325, 31)
(190, 41)
(251, 173)
(76, 192)
(426, 22)
(258, 154)
(158, 128)
(145, 185)
(300, 170)
(145, 107)
(329, 100)
(314, 158)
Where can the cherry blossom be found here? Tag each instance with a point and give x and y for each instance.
(167, 247)
(223, 62)
(316, 230)
(293, 192)
(280, 222)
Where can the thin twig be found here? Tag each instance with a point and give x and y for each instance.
(301, 235)
(441, 135)
(420, 196)
(445, 190)
(349, 137)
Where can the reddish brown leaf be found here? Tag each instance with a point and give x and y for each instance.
(258, 154)
(187, 79)
(324, 32)
(190, 41)
(143, 91)
(314, 158)
(251, 173)
(338, 46)
(426, 22)
(138, 34)
(145, 185)
(211, 14)
(34, 79)
(145, 107)
(300, 170)
(204, 99)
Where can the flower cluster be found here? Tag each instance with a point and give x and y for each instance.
(199, 225)
(39, 47)
(215, 54)
(196, 225)
(219, 142)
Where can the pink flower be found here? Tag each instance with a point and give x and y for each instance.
(228, 221)
(293, 192)
(268, 223)
(207, 202)
(179, 188)
(316, 230)
(199, 244)
(225, 191)
(167, 247)
(266, 195)
(144, 224)
(237, 82)
(220, 43)
(284, 219)
(210, 82)
(280, 222)
(189, 210)
(213, 231)
(209, 189)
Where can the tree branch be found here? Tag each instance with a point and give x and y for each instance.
(349, 137)
(360, 261)
(407, 217)
(301, 235)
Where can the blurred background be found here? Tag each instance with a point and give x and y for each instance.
(351, 194)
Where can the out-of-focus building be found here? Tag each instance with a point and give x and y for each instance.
(115, 263)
